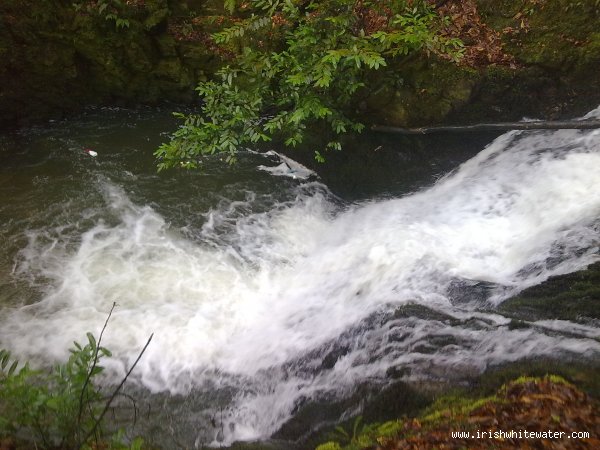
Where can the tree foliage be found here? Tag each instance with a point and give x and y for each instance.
(297, 63)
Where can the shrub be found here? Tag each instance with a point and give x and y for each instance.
(61, 408)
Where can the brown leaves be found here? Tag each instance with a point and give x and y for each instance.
(371, 18)
(532, 405)
(483, 45)
(7, 444)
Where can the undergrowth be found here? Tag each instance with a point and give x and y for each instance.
(61, 408)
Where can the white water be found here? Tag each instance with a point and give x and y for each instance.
(287, 167)
(259, 307)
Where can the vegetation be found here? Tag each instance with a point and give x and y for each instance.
(531, 404)
(297, 64)
(60, 56)
(62, 408)
(110, 10)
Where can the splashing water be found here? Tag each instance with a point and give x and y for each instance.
(309, 298)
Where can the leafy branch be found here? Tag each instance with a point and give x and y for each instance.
(300, 64)
(110, 10)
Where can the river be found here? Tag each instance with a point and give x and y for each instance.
(265, 288)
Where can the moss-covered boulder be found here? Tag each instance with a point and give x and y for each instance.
(425, 91)
(574, 296)
(557, 55)
(522, 58)
(59, 56)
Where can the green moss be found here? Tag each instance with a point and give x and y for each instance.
(390, 429)
(574, 297)
(582, 374)
(57, 58)
(428, 92)
(555, 45)
(329, 446)
(452, 409)
(454, 406)
(556, 48)
(167, 46)
(156, 19)
(552, 378)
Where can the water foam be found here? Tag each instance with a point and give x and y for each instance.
(261, 304)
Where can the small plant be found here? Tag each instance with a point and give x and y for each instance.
(111, 10)
(362, 435)
(329, 446)
(356, 428)
(62, 408)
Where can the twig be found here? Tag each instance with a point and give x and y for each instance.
(115, 393)
(94, 364)
(135, 408)
(501, 126)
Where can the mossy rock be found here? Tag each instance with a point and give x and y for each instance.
(167, 46)
(428, 92)
(57, 58)
(581, 373)
(196, 55)
(574, 297)
(532, 403)
(157, 19)
(555, 45)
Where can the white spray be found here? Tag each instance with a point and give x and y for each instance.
(260, 311)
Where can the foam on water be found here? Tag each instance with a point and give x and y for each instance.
(259, 306)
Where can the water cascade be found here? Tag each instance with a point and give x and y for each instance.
(279, 300)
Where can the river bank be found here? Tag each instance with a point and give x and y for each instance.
(523, 58)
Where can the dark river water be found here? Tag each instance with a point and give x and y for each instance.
(267, 286)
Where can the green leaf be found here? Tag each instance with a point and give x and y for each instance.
(96, 370)
(91, 340)
(53, 403)
(13, 367)
(230, 6)
(136, 444)
(4, 358)
(318, 157)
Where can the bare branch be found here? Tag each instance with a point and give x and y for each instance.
(115, 393)
(91, 371)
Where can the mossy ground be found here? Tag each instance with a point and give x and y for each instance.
(527, 403)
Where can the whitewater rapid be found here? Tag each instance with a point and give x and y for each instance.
(256, 302)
